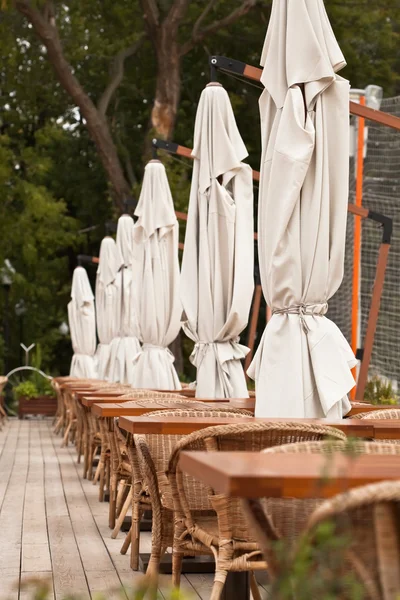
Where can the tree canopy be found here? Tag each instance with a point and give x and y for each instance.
(84, 86)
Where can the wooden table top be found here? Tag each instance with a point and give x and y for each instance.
(118, 407)
(88, 401)
(363, 407)
(257, 475)
(140, 407)
(374, 429)
(98, 394)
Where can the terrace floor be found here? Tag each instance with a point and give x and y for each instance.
(53, 527)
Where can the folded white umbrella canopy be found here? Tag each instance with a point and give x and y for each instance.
(302, 366)
(156, 281)
(108, 302)
(217, 268)
(126, 346)
(82, 325)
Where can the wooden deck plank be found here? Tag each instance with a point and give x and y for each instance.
(53, 526)
(105, 583)
(35, 542)
(32, 581)
(68, 572)
(11, 514)
(93, 552)
(9, 438)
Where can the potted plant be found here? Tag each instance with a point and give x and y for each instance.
(35, 395)
(35, 400)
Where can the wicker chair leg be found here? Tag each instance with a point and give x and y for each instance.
(79, 447)
(113, 500)
(254, 587)
(153, 568)
(123, 492)
(96, 477)
(102, 479)
(87, 452)
(107, 474)
(177, 559)
(135, 541)
(127, 542)
(219, 583)
(85, 455)
(92, 454)
(64, 443)
(57, 426)
(122, 515)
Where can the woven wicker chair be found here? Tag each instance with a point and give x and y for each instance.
(140, 496)
(90, 440)
(286, 518)
(151, 453)
(118, 450)
(95, 436)
(227, 536)
(121, 465)
(385, 413)
(367, 518)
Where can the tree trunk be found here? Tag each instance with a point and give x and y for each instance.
(96, 122)
(168, 84)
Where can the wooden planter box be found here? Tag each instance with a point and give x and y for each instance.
(41, 405)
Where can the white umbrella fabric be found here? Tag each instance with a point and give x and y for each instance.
(217, 269)
(126, 346)
(303, 364)
(156, 281)
(108, 302)
(82, 325)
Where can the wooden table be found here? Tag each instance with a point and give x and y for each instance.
(257, 475)
(129, 407)
(373, 429)
(363, 407)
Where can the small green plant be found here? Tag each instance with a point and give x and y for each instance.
(380, 391)
(41, 590)
(316, 569)
(26, 389)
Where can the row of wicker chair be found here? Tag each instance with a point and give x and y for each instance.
(142, 472)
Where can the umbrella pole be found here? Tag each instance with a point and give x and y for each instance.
(355, 312)
(255, 311)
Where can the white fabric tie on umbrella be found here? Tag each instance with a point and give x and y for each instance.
(82, 325)
(156, 281)
(303, 364)
(126, 346)
(217, 269)
(108, 302)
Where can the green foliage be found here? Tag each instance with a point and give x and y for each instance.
(316, 569)
(26, 389)
(35, 384)
(41, 590)
(29, 389)
(380, 391)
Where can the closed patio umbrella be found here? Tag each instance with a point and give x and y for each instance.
(156, 281)
(302, 366)
(82, 325)
(217, 268)
(126, 346)
(108, 302)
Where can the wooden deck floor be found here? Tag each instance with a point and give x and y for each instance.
(53, 527)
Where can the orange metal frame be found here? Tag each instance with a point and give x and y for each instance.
(357, 240)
